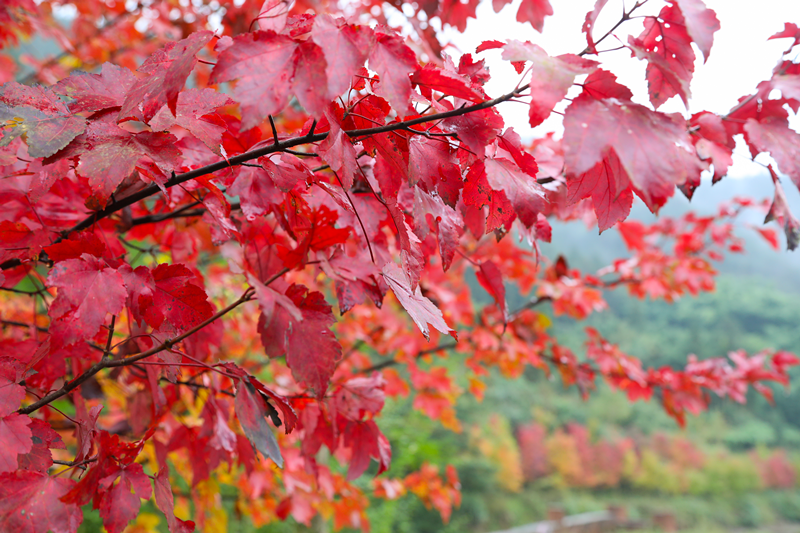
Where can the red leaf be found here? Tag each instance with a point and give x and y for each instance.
(178, 298)
(30, 502)
(84, 242)
(109, 154)
(449, 83)
(88, 290)
(773, 135)
(534, 11)
(346, 49)
(337, 150)
(588, 25)
(393, 61)
(701, 23)
(653, 148)
(167, 70)
(602, 84)
(39, 115)
(491, 279)
(191, 113)
(310, 84)
(489, 45)
(289, 415)
(551, 77)
(431, 213)
(422, 311)
(15, 439)
(521, 189)
(770, 236)
(141, 287)
(713, 142)
(780, 211)
(256, 191)
(476, 129)
(44, 438)
(361, 396)
(666, 45)
(96, 92)
(264, 62)
(165, 502)
(121, 502)
(11, 393)
(252, 414)
(790, 31)
(366, 441)
(608, 185)
(311, 349)
(478, 193)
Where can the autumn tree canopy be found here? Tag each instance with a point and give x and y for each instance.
(230, 230)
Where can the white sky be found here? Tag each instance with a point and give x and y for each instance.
(740, 58)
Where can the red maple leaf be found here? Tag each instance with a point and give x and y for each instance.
(166, 72)
(39, 115)
(88, 290)
(30, 502)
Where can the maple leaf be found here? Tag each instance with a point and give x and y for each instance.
(84, 242)
(44, 438)
(478, 193)
(713, 142)
(15, 439)
(602, 84)
(779, 210)
(165, 502)
(431, 212)
(345, 47)
(96, 92)
(773, 135)
(30, 502)
(666, 45)
(366, 441)
(521, 189)
(588, 25)
(393, 61)
(88, 290)
(40, 116)
(432, 163)
(422, 311)
(256, 191)
(790, 31)
(177, 298)
(311, 349)
(491, 279)
(124, 490)
(11, 392)
(166, 72)
(450, 83)
(263, 62)
(608, 186)
(653, 148)
(551, 77)
(252, 414)
(337, 150)
(109, 154)
(701, 24)
(533, 11)
(191, 113)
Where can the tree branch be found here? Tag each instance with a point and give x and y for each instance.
(280, 146)
(166, 345)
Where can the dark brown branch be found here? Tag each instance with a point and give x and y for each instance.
(127, 361)
(280, 146)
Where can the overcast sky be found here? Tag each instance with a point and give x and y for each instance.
(740, 58)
